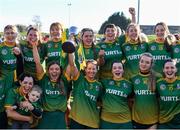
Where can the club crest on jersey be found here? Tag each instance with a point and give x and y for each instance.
(49, 45)
(117, 44)
(56, 45)
(97, 88)
(2, 97)
(125, 85)
(161, 47)
(142, 46)
(178, 86)
(103, 46)
(176, 50)
(111, 82)
(91, 86)
(25, 49)
(153, 48)
(128, 48)
(4, 52)
(137, 81)
(162, 86)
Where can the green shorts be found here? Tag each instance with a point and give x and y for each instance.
(109, 125)
(52, 120)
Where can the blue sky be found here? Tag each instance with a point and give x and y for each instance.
(85, 13)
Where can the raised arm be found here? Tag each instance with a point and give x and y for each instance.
(72, 69)
(133, 14)
(39, 67)
(20, 62)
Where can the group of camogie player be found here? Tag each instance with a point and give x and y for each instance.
(120, 82)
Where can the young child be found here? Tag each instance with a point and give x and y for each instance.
(29, 105)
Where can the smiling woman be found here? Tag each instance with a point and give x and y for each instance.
(115, 113)
(54, 84)
(144, 86)
(14, 97)
(86, 96)
(168, 89)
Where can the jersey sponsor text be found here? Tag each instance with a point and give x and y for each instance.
(134, 57)
(170, 98)
(144, 92)
(54, 54)
(115, 52)
(116, 92)
(90, 95)
(9, 62)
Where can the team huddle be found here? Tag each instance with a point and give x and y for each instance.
(123, 81)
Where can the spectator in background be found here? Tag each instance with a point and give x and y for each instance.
(46, 38)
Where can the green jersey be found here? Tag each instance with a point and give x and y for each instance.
(132, 53)
(169, 92)
(7, 60)
(145, 107)
(54, 96)
(85, 53)
(160, 55)
(122, 39)
(91, 53)
(115, 107)
(14, 97)
(176, 56)
(53, 51)
(113, 53)
(4, 87)
(84, 108)
(29, 64)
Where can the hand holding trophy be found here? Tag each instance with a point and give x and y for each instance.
(68, 47)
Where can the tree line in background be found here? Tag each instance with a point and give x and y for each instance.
(118, 18)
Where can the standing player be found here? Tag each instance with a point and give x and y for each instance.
(176, 55)
(54, 84)
(8, 50)
(86, 93)
(87, 49)
(26, 48)
(53, 48)
(145, 105)
(115, 113)
(110, 51)
(123, 38)
(168, 89)
(160, 49)
(133, 49)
